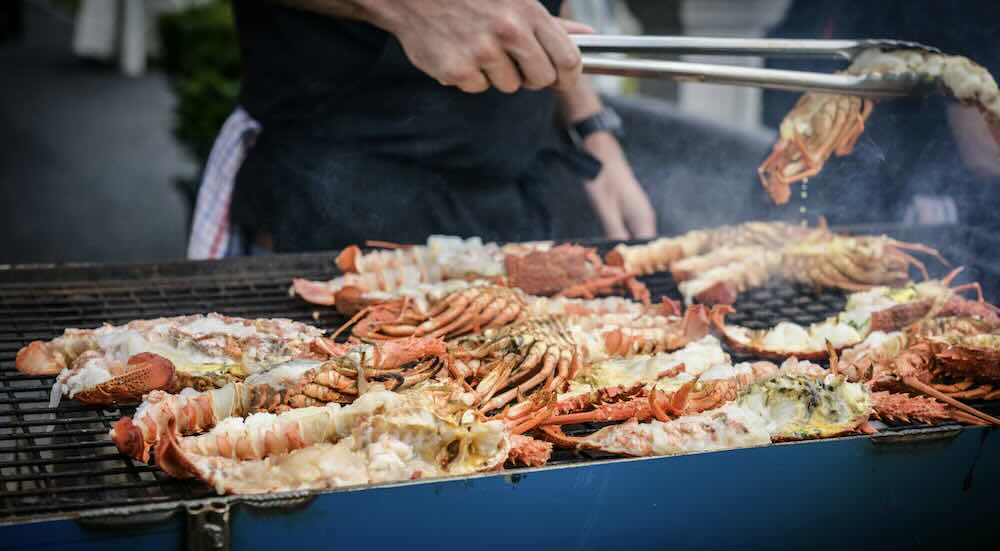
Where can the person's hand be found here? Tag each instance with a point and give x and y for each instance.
(476, 44)
(620, 202)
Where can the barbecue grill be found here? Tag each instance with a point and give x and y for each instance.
(65, 483)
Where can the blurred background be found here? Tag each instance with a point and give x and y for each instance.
(108, 109)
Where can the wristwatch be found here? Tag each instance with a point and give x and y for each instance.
(606, 120)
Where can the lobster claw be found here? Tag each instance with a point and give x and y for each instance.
(145, 372)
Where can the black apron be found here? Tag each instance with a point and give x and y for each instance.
(358, 144)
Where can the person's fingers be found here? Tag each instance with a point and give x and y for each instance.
(562, 52)
(614, 228)
(531, 58)
(499, 68)
(642, 225)
(607, 208)
(473, 83)
(637, 210)
(463, 74)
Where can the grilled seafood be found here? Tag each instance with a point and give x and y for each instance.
(536, 356)
(457, 313)
(667, 370)
(402, 271)
(852, 263)
(904, 365)
(483, 307)
(696, 378)
(660, 254)
(529, 362)
(693, 266)
(878, 309)
(384, 437)
(399, 365)
(776, 409)
(966, 350)
(120, 363)
(821, 125)
(570, 271)
(443, 257)
(721, 285)
(722, 383)
(447, 264)
(904, 408)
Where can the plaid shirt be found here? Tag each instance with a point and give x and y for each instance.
(212, 235)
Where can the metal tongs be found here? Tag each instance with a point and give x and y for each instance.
(876, 85)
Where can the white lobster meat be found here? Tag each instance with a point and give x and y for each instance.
(780, 408)
(703, 357)
(296, 383)
(383, 438)
(119, 363)
(443, 265)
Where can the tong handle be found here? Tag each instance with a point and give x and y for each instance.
(770, 47)
(869, 86)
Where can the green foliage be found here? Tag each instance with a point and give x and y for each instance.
(202, 59)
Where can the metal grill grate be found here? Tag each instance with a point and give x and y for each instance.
(60, 460)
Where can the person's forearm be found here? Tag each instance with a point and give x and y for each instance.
(579, 102)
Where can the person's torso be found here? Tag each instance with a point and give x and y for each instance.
(350, 86)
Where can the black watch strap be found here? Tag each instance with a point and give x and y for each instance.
(606, 120)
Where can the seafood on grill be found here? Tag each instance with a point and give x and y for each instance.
(660, 254)
(852, 263)
(878, 309)
(542, 355)
(397, 365)
(447, 264)
(497, 367)
(966, 355)
(666, 370)
(696, 378)
(480, 307)
(821, 125)
(471, 309)
(403, 271)
(722, 284)
(924, 381)
(121, 363)
(688, 394)
(382, 437)
(570, 271)
(442, 257)
(780, 408)
(515, 371)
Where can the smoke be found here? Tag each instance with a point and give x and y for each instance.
(905, 177)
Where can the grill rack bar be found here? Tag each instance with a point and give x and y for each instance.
(60, 460)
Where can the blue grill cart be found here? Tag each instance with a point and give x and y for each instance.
(64, 483)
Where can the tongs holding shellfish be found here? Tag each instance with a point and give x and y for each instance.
(878, 84)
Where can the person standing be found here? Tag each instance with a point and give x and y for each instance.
(393, 120)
